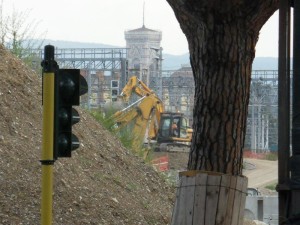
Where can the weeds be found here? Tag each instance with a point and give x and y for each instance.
(132, 187)
(271, 156)
(125, 134)
(102, 118)
(271, 186)
(171, 177)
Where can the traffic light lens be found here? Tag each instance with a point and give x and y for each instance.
(67, 87)
(63, 143)
(64, 117)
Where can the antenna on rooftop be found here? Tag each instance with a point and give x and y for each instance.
(144, 14)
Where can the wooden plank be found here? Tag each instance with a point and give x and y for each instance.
(189, 204)
(237, 201)
(200, 197)
(223, 200)
(212, 196)
(183, 211)
(176, 208)
(230, 200)
(243, 200)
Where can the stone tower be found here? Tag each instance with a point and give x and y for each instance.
(144, 52)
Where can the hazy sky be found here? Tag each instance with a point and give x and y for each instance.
(101, 21)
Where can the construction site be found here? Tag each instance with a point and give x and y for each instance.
(98, 173)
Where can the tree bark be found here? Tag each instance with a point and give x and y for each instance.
(222, 35)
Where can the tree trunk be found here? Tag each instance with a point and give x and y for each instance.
(222, 36)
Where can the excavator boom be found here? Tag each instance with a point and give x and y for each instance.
(137, 86)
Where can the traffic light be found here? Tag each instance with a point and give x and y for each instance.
(114, 85)
(69, 85)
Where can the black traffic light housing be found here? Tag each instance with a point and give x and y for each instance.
(69, 85)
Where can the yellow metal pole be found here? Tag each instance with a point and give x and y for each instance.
(48, 136)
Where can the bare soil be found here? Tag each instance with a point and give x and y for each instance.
(261, 174)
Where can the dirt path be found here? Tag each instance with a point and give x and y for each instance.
(264, 173)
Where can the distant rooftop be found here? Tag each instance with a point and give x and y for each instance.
(143, 28)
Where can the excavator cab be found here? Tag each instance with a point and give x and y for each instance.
(173, 126)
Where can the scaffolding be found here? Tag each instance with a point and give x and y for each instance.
(262, 123)
(98, 65)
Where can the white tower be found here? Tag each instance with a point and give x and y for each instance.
(143, 46)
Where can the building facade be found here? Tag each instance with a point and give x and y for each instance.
(144, 52)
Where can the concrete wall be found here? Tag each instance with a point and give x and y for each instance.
(263, 208)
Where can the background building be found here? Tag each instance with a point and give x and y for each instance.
(144, 53)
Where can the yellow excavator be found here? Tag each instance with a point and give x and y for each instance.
(150, 124)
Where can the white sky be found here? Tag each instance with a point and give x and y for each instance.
(104, 21)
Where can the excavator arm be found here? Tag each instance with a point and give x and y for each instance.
(144, 115)
(134, 85)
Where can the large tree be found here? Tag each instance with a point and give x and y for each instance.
(222, 35)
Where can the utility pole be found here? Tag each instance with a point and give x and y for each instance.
(160, 74)
(158, 69)
(47, 161)
(294, 213)
(283, 108)
(288, 165)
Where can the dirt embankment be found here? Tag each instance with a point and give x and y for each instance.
(103, 183)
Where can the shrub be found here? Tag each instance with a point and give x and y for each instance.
(125, 134)
(272, 156)
(271, 186)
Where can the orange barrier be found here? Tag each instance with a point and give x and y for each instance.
(253, 155)
(161, 163)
